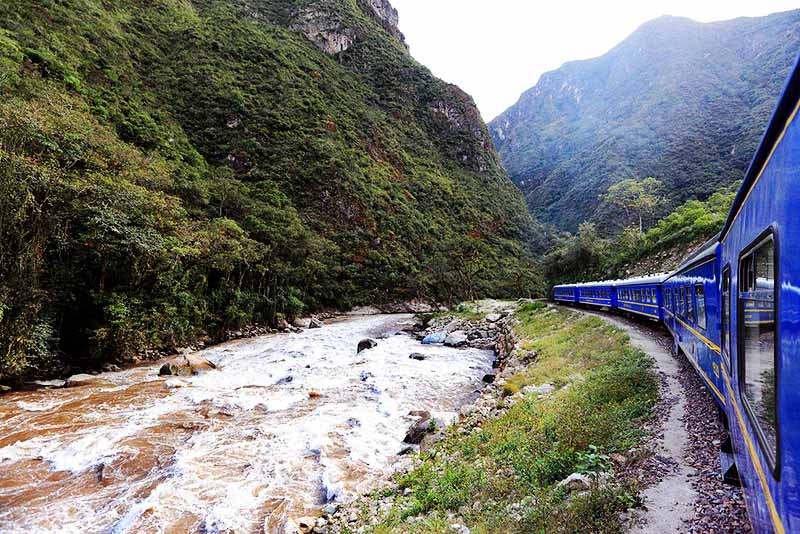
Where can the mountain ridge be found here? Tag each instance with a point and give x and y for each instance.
(674, 88)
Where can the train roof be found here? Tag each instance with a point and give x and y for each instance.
(639, 280)
(648, 279)
(781, 117)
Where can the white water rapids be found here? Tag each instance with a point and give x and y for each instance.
(287, 423)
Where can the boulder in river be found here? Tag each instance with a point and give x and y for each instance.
(456, 339)
(186, 365)
(366, 344)
(418, 356)
(315, 323)
(284, 380)
(436, 337)
(301, 322)
(418, 430)
(83, 380)
(493, 317)
(49, 384)
(488, 379)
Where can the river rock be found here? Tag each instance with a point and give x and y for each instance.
(305, 524)
(49, 384)
(330, 508)
(493, 317)
(82, 380)
(488, 379)
(576, 482)
(456, 339)
(4, 389)
(283, 324)
(284, 380)
(417, 356)
(418, 430)
(364, 310)
(544, 389)
(174, 383)
(301, 322)
(366, 344)
(315, 323)
(111, 368)
(186, 365)
(452, 326)
(436, 337)
(168, 369)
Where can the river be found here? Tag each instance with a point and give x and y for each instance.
(285, 424)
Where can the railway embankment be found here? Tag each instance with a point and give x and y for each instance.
(684, 489)
(559, 441)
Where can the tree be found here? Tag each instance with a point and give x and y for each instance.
(636, 198)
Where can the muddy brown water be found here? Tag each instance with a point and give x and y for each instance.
(286, 424)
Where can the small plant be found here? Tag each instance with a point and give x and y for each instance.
(592, 462)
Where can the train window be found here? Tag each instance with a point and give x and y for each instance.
(725, 315)
(681, 301)
(700, 300)
(689, 305)
(757, 374)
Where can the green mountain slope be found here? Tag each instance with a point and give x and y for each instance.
(678, 100)
(169, 167)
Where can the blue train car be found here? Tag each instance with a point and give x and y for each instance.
(641, 296)
(597, 294)
(760, 322)
(734, 309)
(566, 293)
(691, 314)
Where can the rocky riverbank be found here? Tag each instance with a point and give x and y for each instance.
(561, 439)
(496, 329)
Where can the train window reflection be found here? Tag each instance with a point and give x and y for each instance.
(725, 315)
(689, 305)
(700, 300)
(758, 375)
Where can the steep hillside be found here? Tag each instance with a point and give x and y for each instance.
(678, 100)
(176, 166)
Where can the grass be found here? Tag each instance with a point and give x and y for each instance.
(467, 311)
(503, 476)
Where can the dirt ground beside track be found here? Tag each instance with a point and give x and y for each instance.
(685, 492)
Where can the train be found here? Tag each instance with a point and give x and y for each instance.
(733, 309)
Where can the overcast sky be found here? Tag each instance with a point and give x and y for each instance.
(496, 49)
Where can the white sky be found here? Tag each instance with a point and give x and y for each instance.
(496, 49)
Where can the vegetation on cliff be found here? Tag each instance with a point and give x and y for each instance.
(173, 167)
(586, 255)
